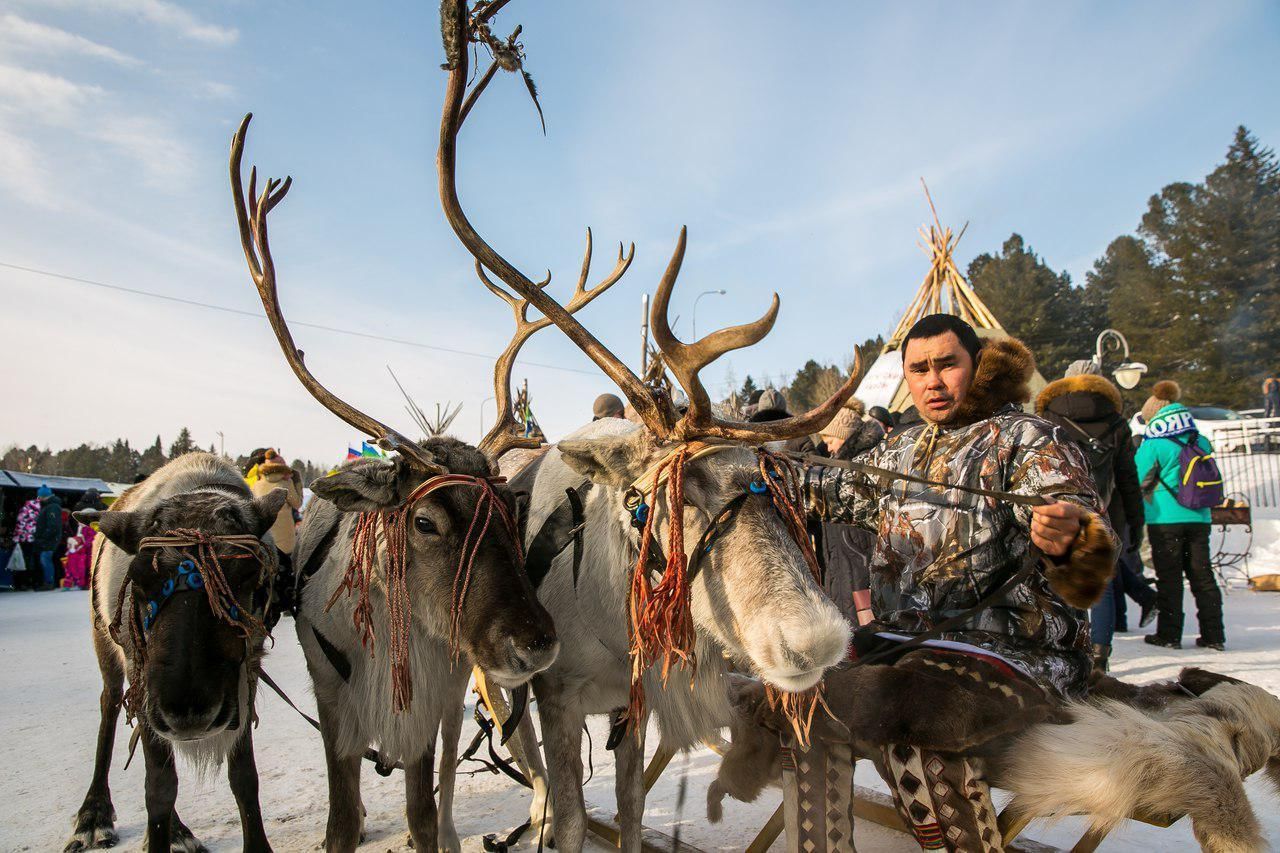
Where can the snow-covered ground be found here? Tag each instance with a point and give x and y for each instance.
(48, 717)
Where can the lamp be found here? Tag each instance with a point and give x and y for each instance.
(1129, 373)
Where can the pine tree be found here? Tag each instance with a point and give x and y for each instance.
(1035, 304)
(183, 444)
(121, 463)
(748, 388)
(1219, 244)
(152, 458)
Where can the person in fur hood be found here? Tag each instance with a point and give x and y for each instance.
(939, 553)
(1088, 407)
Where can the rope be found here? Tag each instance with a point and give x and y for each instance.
(393, 524)
(660, 618)
(201, 548)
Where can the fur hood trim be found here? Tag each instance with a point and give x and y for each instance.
(1005, 367)
(1080, 581)
(1082, 384)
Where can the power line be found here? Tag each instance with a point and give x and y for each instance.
(334, 329)
(151, 294)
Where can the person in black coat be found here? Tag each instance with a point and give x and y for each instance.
(1089, 410)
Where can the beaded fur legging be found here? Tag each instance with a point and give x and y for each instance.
(943, 799)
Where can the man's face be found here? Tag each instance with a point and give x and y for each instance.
(938, 372)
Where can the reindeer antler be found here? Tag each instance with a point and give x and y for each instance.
(686, 361)
(501, 438)
(461, 28)
(252, 219)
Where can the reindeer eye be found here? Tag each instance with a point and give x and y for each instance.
(425, 526)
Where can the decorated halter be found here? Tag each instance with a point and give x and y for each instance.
(394, 527)
(660, 616)
(199, 571)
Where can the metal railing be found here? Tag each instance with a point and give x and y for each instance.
(1248, 453)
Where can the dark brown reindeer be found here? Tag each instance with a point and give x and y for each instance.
(413, 572)
(753, 597)
(181, 581)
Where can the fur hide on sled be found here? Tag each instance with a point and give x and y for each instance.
(1165, 748)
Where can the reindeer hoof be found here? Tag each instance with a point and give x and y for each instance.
(181, 839)
(93, 827)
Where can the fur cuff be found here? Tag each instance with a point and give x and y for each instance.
(1089, 566)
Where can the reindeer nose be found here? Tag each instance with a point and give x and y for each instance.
(535, 656)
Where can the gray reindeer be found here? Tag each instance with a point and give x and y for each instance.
(752, 598)
(181, 583)
(411, 573)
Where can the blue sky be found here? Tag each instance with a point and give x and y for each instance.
(788, 137)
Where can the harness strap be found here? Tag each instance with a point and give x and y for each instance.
(370, 754)
(561, 528)
(340, 662)
(889, 474)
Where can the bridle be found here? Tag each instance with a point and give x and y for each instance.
(393, 526)
(660, 623)
(199, 571)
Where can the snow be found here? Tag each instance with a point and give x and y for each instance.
(49, 714)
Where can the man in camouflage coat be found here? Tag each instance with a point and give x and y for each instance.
(940, 552)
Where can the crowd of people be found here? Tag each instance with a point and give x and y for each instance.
(48, 548)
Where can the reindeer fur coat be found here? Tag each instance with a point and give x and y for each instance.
(939, 552)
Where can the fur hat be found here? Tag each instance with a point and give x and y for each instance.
(1165, 392)
(607, 406)
(859, 408)
(1083, 367)
(772, 401)
(842, 426)
(272, 463)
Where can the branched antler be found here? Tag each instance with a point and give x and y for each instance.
(462, 27)
(252, 219)
(502, 437)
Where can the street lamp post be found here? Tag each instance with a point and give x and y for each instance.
(694, 320)
(482, 402)
(1129, 373)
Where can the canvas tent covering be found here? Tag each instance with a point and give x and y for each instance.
(943, 291)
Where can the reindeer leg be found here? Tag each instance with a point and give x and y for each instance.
(242, 774)
(419, 776)
(529, 756)
(450, 731)
(161, 791)
(629, 786)
(94, 824)
(562, 720)
(346, 812)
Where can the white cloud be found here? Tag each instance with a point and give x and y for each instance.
(160, 13)
(43, 96)
(164, 159)
(23, 174)
(20, 34)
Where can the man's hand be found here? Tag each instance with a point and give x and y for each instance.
(1055, 526)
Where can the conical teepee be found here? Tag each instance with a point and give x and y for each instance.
(943, 291)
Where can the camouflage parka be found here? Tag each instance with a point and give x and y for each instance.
(939, 552)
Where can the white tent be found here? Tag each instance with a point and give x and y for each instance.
(943, 291)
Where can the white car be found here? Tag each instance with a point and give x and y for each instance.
(1229, 430)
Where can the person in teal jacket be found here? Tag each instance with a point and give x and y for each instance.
(1179, 535)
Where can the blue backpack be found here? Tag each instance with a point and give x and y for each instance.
(1199, 478)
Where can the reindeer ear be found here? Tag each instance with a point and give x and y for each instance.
(268, 509)
(366, 485)
(122, 528)
(611, 460)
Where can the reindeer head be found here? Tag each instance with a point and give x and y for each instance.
(752, 590)
(459, 582)
(193, 638)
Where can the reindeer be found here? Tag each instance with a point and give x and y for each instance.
(181, 582)
(751, 591)
(413, 573)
